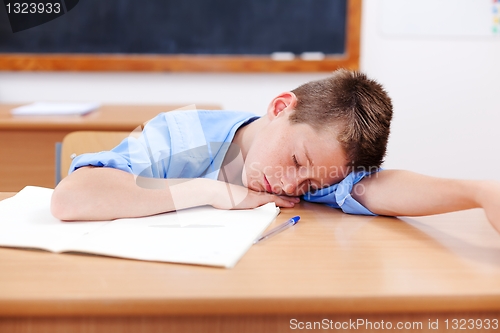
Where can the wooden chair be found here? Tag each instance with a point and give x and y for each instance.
(80, 142)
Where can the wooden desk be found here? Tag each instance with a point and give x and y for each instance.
(27, 144)
(330, 266)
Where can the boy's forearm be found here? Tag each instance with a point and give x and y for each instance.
(404, 193)
(103, 193)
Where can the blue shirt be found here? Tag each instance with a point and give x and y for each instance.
(192, 144)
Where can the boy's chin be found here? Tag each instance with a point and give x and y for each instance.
(250, 186)
(246, 183)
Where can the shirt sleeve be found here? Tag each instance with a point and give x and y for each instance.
(147, 155)
(339, 195)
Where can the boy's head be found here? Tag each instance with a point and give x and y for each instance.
(358, 107)
(315, 135)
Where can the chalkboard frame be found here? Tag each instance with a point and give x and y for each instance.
(192, 63)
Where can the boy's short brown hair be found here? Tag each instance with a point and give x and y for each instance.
(358, 105)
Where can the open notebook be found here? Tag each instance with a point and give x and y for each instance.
(202, 235)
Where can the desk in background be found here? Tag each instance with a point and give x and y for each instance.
(330, 266)
(27, 144)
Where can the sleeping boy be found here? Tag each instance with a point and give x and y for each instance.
(323, 142)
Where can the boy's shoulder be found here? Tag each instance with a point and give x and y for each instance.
(213, 124)
(203, 119)
(208, 114)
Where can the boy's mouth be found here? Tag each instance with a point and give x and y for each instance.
(267, 186)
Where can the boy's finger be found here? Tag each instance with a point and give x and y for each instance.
(294, 199)
(285, 203)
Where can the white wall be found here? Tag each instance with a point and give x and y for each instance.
(246, 92)
(446, 95)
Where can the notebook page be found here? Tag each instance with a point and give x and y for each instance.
(201, 235)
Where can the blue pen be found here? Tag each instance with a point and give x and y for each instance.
(278, 229)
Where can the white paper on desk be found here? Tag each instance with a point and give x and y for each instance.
(202, 235)
(54, 109)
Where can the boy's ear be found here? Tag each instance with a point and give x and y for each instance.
(283, 102)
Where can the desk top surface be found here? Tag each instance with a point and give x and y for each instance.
(330, 262)
(106, 118)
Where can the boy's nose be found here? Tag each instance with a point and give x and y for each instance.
(289, 189)
(289, 185)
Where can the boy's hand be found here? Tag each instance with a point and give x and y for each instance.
(230, 196)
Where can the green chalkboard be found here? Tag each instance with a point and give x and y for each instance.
(187, 27)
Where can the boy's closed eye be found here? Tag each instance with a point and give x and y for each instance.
(310, 187)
